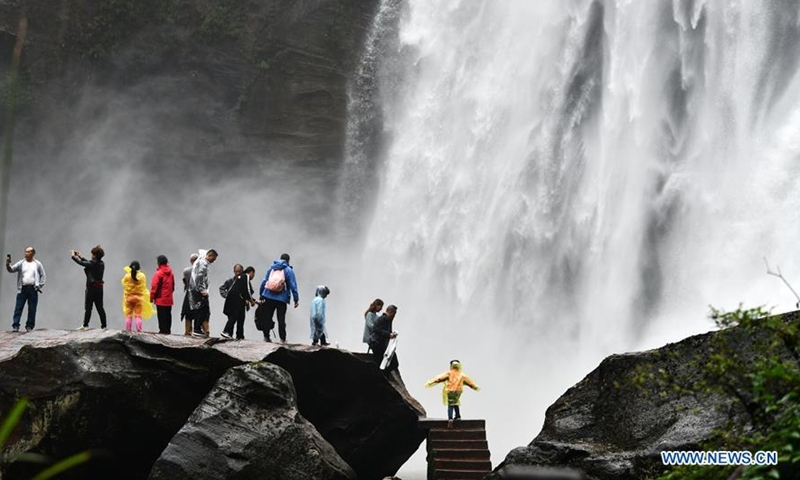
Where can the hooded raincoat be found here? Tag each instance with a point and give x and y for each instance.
(291, 283)
(319, 330)
(454, 381)
(135, 295)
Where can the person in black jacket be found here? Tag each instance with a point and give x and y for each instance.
(381, 334)
(238, 300)
(94, 270)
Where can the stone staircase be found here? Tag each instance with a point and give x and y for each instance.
(457, 450)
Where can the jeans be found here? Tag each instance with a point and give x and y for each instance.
(30, 295)
(453, 409)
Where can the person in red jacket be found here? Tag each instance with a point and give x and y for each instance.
(161, 289)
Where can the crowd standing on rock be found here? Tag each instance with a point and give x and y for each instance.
(135, 296)
(275, 289)
(30, 280)
(94, 269)
(162, 288)
(454, 381)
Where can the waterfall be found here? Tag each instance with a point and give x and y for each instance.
(561, 180)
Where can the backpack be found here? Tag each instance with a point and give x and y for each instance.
(277, 281)
(226, 287)
(264, 323)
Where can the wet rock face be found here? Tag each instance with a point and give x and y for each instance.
(134, 399)
(121, 397)
(252, 93)
(248, 427)
(613, 424)
(346, 408)
(271, 74)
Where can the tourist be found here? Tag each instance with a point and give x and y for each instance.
(454, 381)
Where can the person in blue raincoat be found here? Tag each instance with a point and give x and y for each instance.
(319, 332)
(278, 283)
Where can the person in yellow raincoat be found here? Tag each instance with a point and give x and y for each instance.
(454, 381)
(135, 296)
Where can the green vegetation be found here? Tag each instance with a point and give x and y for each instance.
(7, 427)
(764, 385)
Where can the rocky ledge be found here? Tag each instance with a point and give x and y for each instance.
(173, 407)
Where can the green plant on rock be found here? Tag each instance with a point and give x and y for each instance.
(7, 427)
(763, 382)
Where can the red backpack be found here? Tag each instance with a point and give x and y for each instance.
(276, 281)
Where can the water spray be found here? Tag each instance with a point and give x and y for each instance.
(11, 105)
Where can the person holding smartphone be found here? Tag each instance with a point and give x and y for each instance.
(30, 280)
(94, 270)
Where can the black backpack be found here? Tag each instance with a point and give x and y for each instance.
(264, 322)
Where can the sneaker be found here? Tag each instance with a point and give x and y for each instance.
(199, 334)
(225, 335)
(283, 341)
(28, 329)
(104, 328)
(83, 328)
(15, 329)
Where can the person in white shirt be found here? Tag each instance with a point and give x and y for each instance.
(30, 280)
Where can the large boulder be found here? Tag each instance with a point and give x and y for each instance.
(615, 422)
(248, 427)
(343, 405)
(125, 396)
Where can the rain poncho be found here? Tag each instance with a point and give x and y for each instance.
(135, 295)
(318, 320)
(454, 382)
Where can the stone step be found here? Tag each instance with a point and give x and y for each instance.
(430, 423)
(459, 474)
(462, 464)
(456, 434)
(454, 453)
(457, 444)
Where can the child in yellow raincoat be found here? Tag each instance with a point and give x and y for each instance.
(454, 385)
(135, 296)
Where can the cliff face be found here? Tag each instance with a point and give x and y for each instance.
(225, 78)
(200, 409)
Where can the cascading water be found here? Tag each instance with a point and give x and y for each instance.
(561, 180)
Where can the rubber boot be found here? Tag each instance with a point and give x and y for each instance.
(128, 323)
(138, 324)
(206, 331)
